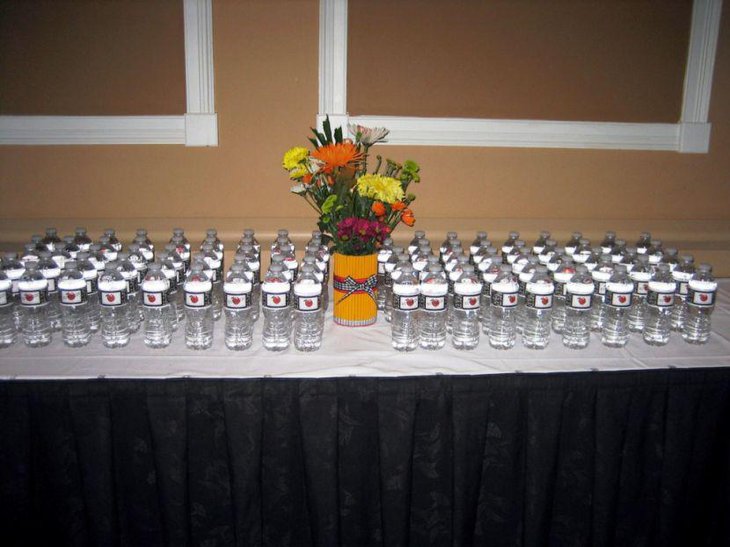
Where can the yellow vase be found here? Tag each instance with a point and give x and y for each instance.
(355, 290)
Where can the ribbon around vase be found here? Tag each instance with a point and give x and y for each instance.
(351, 286)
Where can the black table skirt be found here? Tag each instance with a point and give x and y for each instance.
(597, 458)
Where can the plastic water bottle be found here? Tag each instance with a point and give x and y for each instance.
(249, 236)
(655, 253)
(540, 243)
(509, 244)
(155, 305)
(601, 274)
(701, 292)
(70, 246)
(383, 255)
(682, 274)
(583, 251)
(308, 314)
(74, 303)
(502, 311)
(451, 238)
(51, 241)
(82, 239)
(483, 251)
(7, 303)
(51, 272)
(115, 329)
(619, 290)
(91, 273)
(609, 242)
(182, 247)
(140, 265)
(480, 238)
(238, 290)
(578, 296)
(30, 253)
(175, 314)
(404, 321)
(641, 275)
(390, 265)
(401, 260)
(432, 305)
(572, 244)
(276, 306)
(659, 303)
(420, 257)
(129, 273)
(628, 258)
(216, 265)
(489, 269)
(538, 306)
(33, 292)
(454, 269)
(178, 264)
(561, 277)
(252, 264)
(523, 278)
(466, 302)
(145, 246)
(290, 262)
(619, 251)
(14, 269)
(108, 250)
(643, 243)
(548, 252)
(418, 235)
(321, 260)
(113, 241)
(198, 308)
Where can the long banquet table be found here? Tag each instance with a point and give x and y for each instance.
(359, 445)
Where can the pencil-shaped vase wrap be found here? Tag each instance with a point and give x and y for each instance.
(355, 290)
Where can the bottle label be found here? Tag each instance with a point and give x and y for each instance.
(33, 298)
(73, 296)
(539, 301)
(578, 301)
(682, 288)
(132, 285)
(381, 268)
(660, 299)
(701, 298)
(154, 299)
(466, 301)
(432, 303)
(51, 284)
(275, 300)
(5, 297)
(308, 303)
(642, 288)
(618, 299)
(504, 299)
(600, 287)
(92, 286)
(405, 303)
(560, 288)
(522, 287)
(197, 299)
(112, 299)
(238, 301)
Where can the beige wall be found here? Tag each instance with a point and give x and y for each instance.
(266, 95)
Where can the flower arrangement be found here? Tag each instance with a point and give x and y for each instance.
(357, 209)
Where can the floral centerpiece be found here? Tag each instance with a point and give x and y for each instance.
(357, 208)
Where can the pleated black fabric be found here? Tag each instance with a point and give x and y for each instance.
(594, 459)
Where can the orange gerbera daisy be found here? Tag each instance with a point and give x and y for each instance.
(398, 206)
(378, 208)
(407, 217)
(337, 154)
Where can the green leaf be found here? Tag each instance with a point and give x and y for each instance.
(338, 134)
(314, 142)
(329, 203)
(327, 129)
(325, 219)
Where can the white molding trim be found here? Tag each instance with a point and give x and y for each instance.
(691, 135)
(197, 127)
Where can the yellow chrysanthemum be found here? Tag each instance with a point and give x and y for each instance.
(294, 157)
(299, 171)
(385, 189)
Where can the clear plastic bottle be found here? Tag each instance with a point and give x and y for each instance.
(601, 274)
(418, 235)
(489, 269)
(548, 252)
(701, 292)
(561, 277)
(682, 274)
(216, 265)
(524, 277)
(74, 304)
(383, 255)
(659, 302)
(140, 265)
(30, 253)
(538, 307)
(182, 248)
(37, 240)
(250, 236)
(519, 252)
(115, 329)
(82, 239)
(572, 244)
(198, 308)
(174, 298)
(454, 269)
(70, 246)
(404, 320)
(609, 242)
(540, 243)
(401, 260)
(308, 314)
(108, 250)
(178, 264)
(502, 316)
(643, 243)
(509, 244)
(60, 256)
(483, 251)
(14, 269)
(282, 238)
(155, 305)
(8, 331)
(640, 274)
(452, 238)
(619, 251)
(583, 251)
(466, 302)
(627, 258)
(432, 308)
(619, 290)
(420, 257)
(113, 241)
(655, 253)
(51, 241)
(390, 266)
(252, 264)
(276, 306)
(238, 290)
(33, 292)
(478, 240)
(578, 299)
(129, 272)
(91, 274)
(290, 262)
(145, 245)
(670, 258)
(51, 272)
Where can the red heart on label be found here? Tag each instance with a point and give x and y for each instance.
(276, 299)
(581, 300)
(622, 299)
(472, 301)
(194, 299)
(29, 297)
(151, 297)
(703, 297)
(409, 301)
(308, 303)
(667, 298)
(545, 300)
(434, 302)
(71, 296)
(512, 299)
(236, 300)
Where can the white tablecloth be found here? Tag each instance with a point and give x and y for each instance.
(356, 352)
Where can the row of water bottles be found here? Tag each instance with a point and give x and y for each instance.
(79, 287)
(612, 288)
